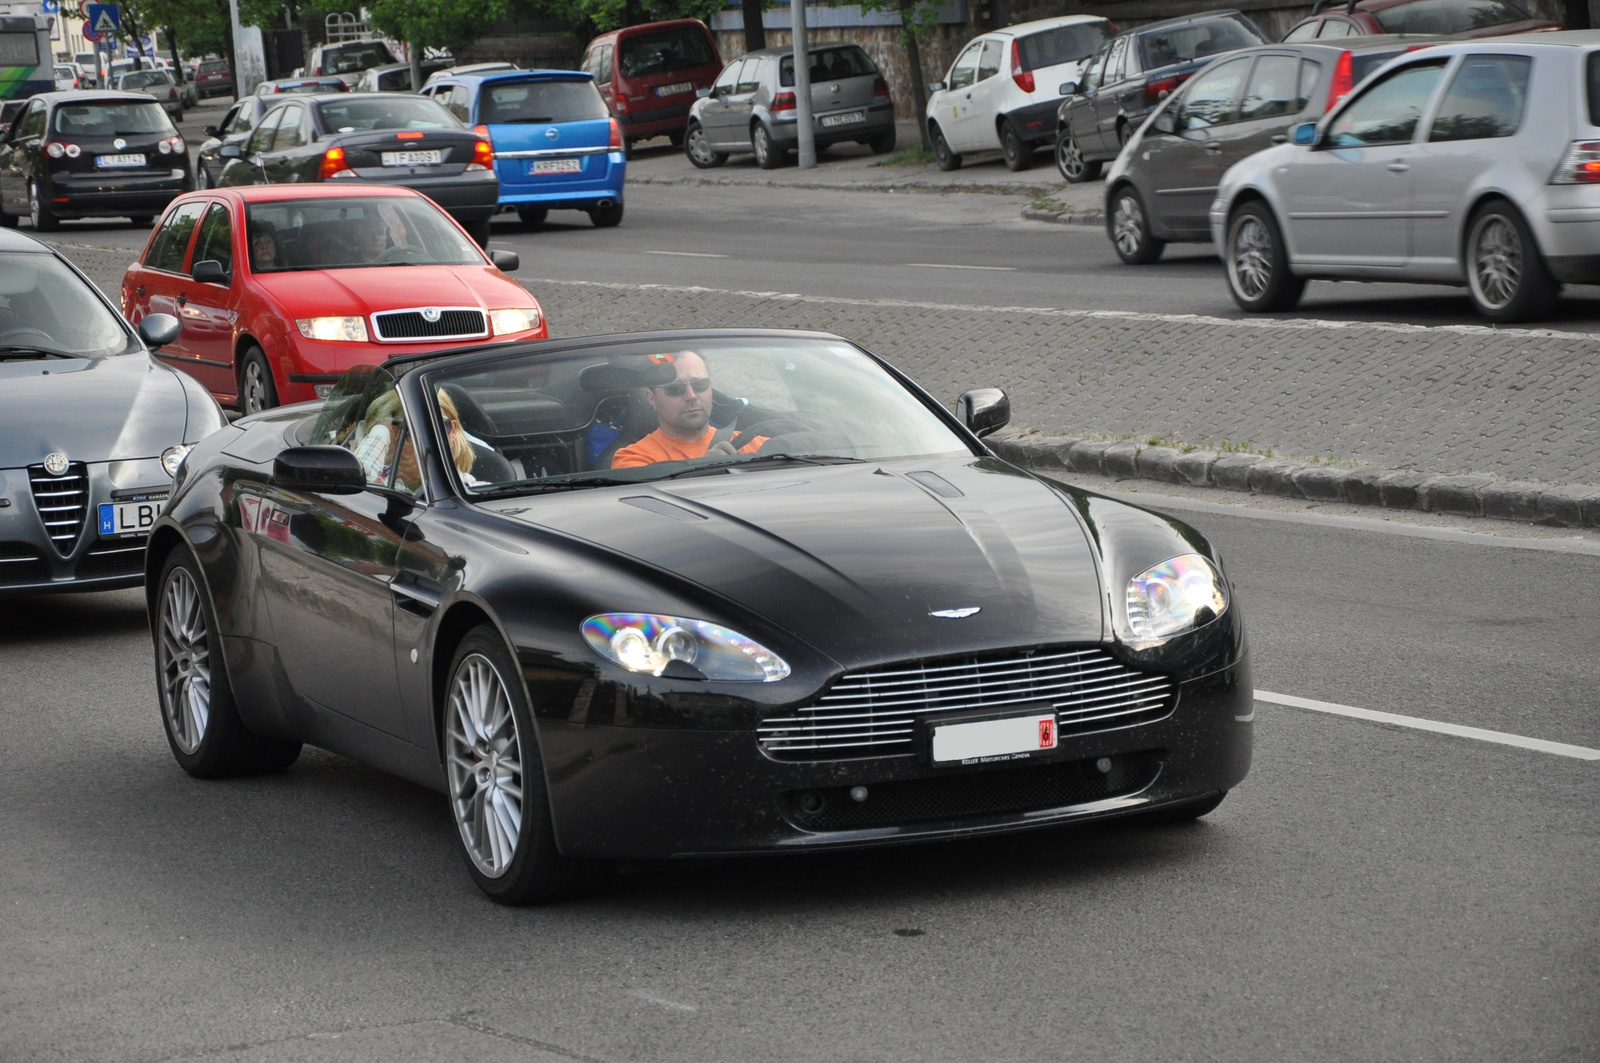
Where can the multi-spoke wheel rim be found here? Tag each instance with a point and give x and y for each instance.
(1127, 225)
(1250, 260)
(485, 763)
(698, 148)
(1496, 262)
(185, 661)
(255, 388)
(760, 144)
(35, 207)
(1071, 159)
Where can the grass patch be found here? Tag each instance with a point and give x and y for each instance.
(915, 155)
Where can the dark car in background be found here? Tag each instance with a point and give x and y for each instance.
(649, 74)
(752, 106)
(1129, 77)
(301, 86)
(213, 78)
(1159, 191)
(396, 77)
(382, 137)
(91, 155)
(1333, 19)
(235, 128)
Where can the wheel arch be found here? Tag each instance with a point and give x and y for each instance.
(242, 343)
(459, 618)
(1479, 201)
(165, 539)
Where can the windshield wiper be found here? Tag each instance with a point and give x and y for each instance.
(19, 352)
(539, 487)
(752, 459)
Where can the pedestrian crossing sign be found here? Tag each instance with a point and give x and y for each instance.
(103, 18)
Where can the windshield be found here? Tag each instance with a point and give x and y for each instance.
(111, 119)
(1198, 40)
(657, 53)
(141, 78)
(541, 101)
(44, 306)
(633, 413)
(1064, 44)
(354, 58)
(1447, 16)
(335, 233)
(386, 112)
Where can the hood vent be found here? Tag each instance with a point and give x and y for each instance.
(62, 502)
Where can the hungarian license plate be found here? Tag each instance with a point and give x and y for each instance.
(556, 166)
(983, 741)
(413, 158)
(122, 519)
(118, 160)
(848, 118)
(675, 88)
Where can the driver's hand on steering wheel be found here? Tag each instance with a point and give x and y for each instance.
(724, 447)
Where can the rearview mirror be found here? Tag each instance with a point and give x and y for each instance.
(209, 271)
(328, 470)
(230, 151)
(505, 261)
(984, 410)
(1068, 88)
(158, 330)
(1165, 122)
(703, 91)
(935, 86)
(1305, 134)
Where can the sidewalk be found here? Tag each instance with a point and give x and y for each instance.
(851, 167)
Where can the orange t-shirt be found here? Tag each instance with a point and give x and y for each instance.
(658, 446)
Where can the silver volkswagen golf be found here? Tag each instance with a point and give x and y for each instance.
(1472, 164)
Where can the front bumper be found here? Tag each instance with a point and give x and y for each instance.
(30, 563)
(115, 195)
(648, 793)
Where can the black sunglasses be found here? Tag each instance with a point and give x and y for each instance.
(677, 388)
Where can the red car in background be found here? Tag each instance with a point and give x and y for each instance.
(1465, 18)
(649, 74)
(282, 288)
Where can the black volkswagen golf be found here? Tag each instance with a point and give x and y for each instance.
(91, 155)
(383, 137)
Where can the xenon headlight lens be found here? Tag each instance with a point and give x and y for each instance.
(173, 457)
(1178, 595)
(648, 643)
(344, 329)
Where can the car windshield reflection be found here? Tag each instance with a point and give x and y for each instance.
(47, 310)
(344, 233)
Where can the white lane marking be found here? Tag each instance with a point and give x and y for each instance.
(660, 1001)
(1560, 749)
(1567, 544)
(686, 254)
(1293, 324)
(949, 265)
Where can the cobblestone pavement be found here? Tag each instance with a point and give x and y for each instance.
(1519, 404)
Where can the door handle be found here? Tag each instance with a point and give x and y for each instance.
(139, 291)
(1398, 167)
(1213, 149)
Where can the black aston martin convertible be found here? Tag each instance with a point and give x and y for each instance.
(688, 593)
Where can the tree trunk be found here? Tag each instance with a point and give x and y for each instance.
(177, 65)
(755, 30)
(414, 54)
(225, 9)
(919, 88)
(1575, 14)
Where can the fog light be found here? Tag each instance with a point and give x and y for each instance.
(858, 794)
(1103, 765)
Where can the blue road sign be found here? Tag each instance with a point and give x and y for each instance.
(103, 18)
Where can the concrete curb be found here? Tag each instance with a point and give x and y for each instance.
(1472, 495)
(1092, 218)
(911, 184)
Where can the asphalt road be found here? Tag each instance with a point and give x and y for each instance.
(1369, 893)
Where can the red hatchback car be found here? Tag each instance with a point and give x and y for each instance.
(1466, 18)
(649, 74)
(281, 288)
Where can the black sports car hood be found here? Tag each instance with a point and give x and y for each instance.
(90, 409)
(858, 559)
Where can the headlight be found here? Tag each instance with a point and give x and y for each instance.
(1177, 595)
(346, 329)
(648, 643)
(516, 319)
(173, 457)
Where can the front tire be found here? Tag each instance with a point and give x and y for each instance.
(1018, 152)
(1129, 229)
(496, 777)
(1505, 271)
(698, 148)
(1257, 263)
(478, 230)
(948, 160)
(768, 156)
(198, 711)
(1070, 161)
(39, 211)
(257, 390)
(532, 217)
(607, 217)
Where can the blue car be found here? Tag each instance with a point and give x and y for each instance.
(556, 146)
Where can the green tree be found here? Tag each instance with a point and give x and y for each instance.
(452, 24)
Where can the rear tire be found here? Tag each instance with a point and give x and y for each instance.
(39, 211)
(698, 149)
(257, 391)
(1018, 152)
(947, 159)
(1129, 228)
(532, 217)
(768, 156)
(479, 231)
(606, 217)
(141, 221)
(1506, 273)
(1257, 262)
(882, 144)
(1070, 161)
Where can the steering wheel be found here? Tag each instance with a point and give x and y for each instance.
(403, 253)
(25, 336)
(771, 427)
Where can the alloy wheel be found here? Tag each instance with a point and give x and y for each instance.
(1250, 257)
(35, 207)
(484, 755)
(254, 392)
(1127, 225)
(699, 148)
(761, 145)
(1497, 266)
(1069, 157)
(185, 660)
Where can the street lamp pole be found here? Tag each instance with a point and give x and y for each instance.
(802, 84)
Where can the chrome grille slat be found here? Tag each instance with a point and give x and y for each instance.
(452, 323)
(873, 712)
(63, 520)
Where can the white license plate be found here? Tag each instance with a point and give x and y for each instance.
(675, 88)
(119, 519)
(980, 741)
(119, 160)
(413, 158)
(556, 166)
(850, 118)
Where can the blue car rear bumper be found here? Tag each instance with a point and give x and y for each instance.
(580, 191)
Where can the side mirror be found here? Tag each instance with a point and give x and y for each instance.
(210, 130)
(1165, 122)
(229, 151)
(935, 86)
(703, 91)
(1305, 134)
(505, 261)
(984, 410)
(329, 470)
(209, 271)
(158, 330)
(1068, 88)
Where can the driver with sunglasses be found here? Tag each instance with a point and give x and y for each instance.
(683, 409)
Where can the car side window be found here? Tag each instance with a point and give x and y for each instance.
(459, 103)
(1273, 88)
(1388, 112)
(1116, 61)
(1486, 98)
(965, 68)
(1303, 32)
(728, 79)
(1213, 97)
(227, 125)
(32, 124)
(172, 241)
(1310, 81)
(750, 76)
(1336, 27)
(989, 60)
(293, 131)
(363, 414)
(215, 243)
(604, 77)
(1094, 73)
(261, 140)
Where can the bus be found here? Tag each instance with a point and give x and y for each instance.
(26, 64)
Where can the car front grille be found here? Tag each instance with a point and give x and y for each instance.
(460, 323)
(872, 713)
(124, 557)
(21, 563)
(62, 502)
